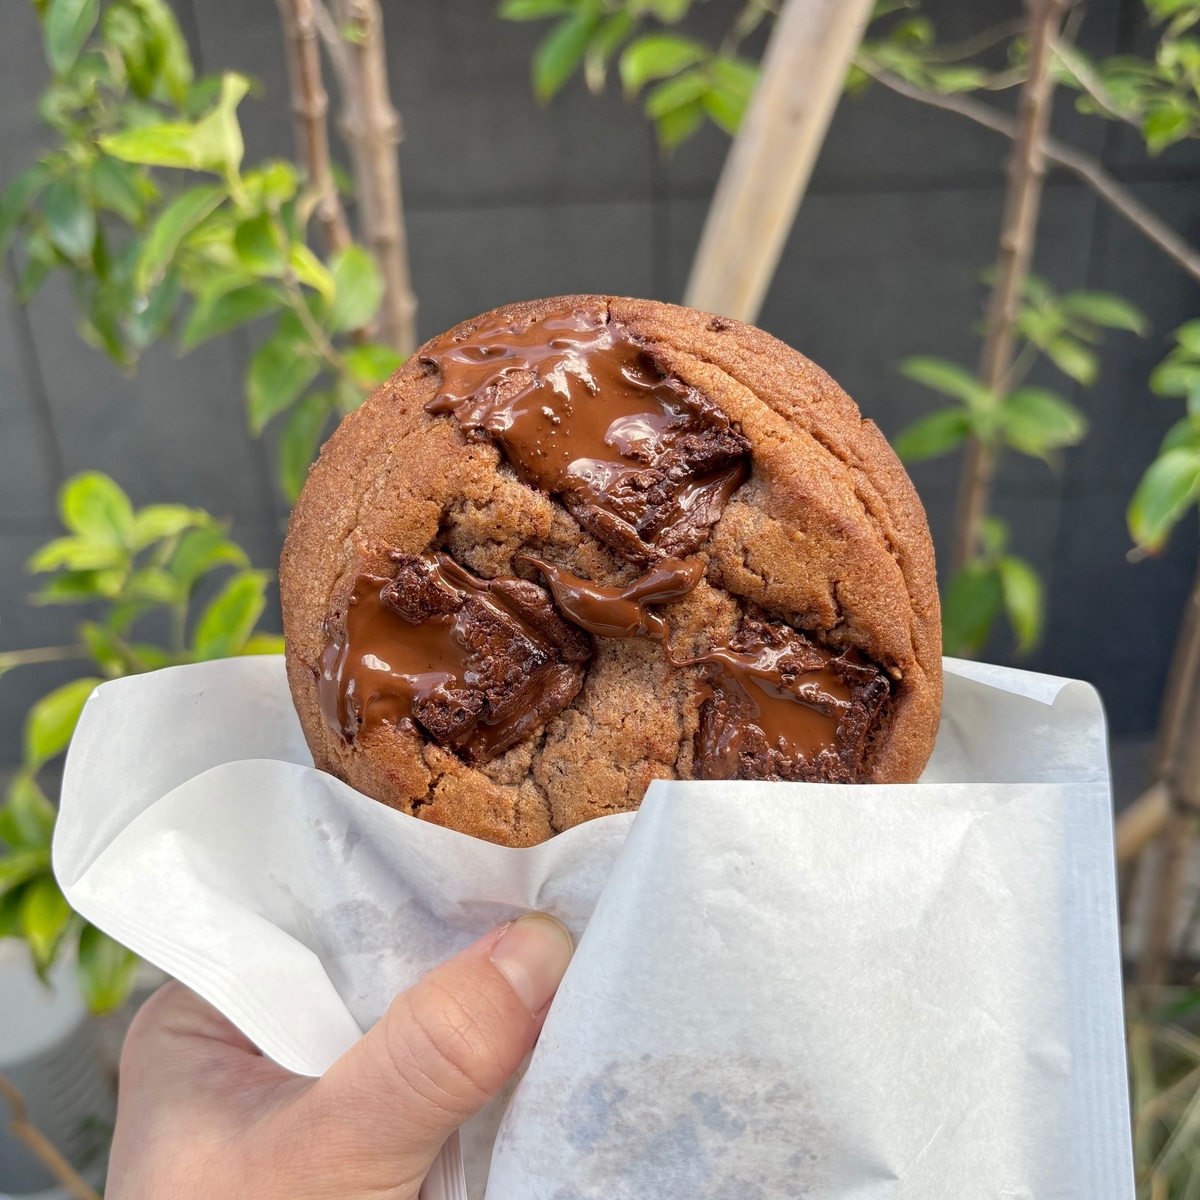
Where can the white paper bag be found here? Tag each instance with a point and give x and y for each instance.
(779, 989)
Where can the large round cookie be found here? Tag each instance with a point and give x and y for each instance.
(579, 544)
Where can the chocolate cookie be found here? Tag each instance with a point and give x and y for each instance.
(579, 544)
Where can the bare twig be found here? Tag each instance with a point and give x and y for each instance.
(771, 159)
(1142, 822)
(1087, 168)
(372, 130)
(310, 103)
(1018, 236)
(46, 1151)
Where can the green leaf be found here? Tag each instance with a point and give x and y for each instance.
(667, 11)
(70, 218)
(52, 720)
(1073, 359)
(970, 605)
(279, 371)
(105, 647)
(20, 866)
(1166, 491)
(45, 914)
(158, 521)
(1188, 336)
(725, 108)
(657, 57)
(18, 196)
(993, 535)
(229, 619)
(934, 435)
(273, 184)
(201, 551)
(561, 51)
(94, 507)
(1166, 124)
(310, 270)
(10, 914)
(153, 584)
(220, 134)
(1024, 600)
(227, 311)
(107, 971)
(1103, 308)
(679, 92)
(264, 643)
(372, 363)
(259, 245)
(947, 378)
(174, 62)
(956, 78)
(1035, 421)
(27, 818)
(358, 287)
(1174, 377)
(1183, 435)
(214, 143)
(676, 126)
(298, 442)
(76, 553)
(168, 144)
(532, 10)
(69, 23)
(181, 216)
(75, 587)
(113, 187)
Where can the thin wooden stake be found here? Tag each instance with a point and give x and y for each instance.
(48, 1154)
(310, 103)
(772, 157)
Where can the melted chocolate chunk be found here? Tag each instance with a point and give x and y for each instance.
(580, 410)
(478, 664)
(621, 612)
(781, 707)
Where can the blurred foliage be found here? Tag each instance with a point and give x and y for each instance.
(1164, 1071)
(131, 568)
(1030, 420)
(1171, 484)
(144, 204)
(684, 81)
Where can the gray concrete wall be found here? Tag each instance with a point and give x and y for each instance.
(507, 201)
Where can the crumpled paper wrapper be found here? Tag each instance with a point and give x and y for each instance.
(780, 990)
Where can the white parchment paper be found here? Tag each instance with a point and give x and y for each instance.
(779, 989)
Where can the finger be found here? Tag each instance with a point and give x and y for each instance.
(444, 1048)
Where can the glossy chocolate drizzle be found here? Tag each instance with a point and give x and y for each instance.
(643, 461)
(478, 664)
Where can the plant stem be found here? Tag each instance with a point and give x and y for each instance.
(772, 156)
(372, 129)
(1018, 237)
(40, 654)
(310, 103)
(1083, 165)
(43, 1148)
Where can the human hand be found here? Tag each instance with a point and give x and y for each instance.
(203, 1114)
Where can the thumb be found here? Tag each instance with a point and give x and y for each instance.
(443, 1049)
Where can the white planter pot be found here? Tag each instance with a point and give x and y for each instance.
(48, 1048)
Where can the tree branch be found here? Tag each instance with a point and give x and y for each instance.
(1018, 237)
(1083, 165)
(372, 130)
(310, 103)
